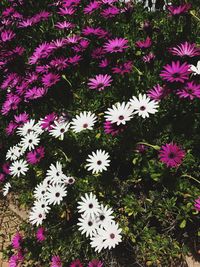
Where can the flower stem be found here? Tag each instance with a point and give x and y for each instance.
(191, 177)
(147, 144)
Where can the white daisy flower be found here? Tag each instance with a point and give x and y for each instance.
(143, 106)
(110, 234)
(119, 113)
(59, 129)
(98, 161)
(87, 226)
(105, 215)
(89, 206)
(97, 242)
(13, 153)
(68, 180)
(55, 194)
(40, 191)
(55, 173)
(85, 120)
(28, 127)
(36, 217)
(6, 189)
(195, 69)
(18, 167)
(41, 205)
(30, 140)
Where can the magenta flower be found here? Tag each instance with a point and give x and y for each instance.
(50, 79)
(98, 52)
(64, 25)
(35, 156)
(95, 263)
(7, 35)
(123, 68)
(91, 7)
(40, 234)
(179, 10)
(11, 103)
(110, 12)
(104, 63)
(66, 11)
(116, 45)
(42, 51)
(100, 82)
(76, 263)
(113, 128)
(2, 177)
(144, 44)
(56, 261)
(148, 58)
(16, 241)
(185, 49)
(59, 63)
(6, 168)
(140, 148)
(176, 72)
(101, 33)
(157, 92)
(74, 60)
(10, 129)
(171, 154)
(35, 92)
(197, 204)
(21, 118)
(48, 121)
(190, 90)
(15, 260)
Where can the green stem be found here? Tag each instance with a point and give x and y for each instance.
(193, 14)
(191, 177)
(147, 144)
(139, 72)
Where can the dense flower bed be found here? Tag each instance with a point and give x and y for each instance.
(100, 130)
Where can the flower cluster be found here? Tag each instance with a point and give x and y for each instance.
(97, 222)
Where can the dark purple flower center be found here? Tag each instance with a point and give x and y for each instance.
(100, 85)
(176, 75)
(121, 117)
(43, 206)
(99, 162)
(142, 108)
(171, 155)
(40, 215)
(116, 47)
(37, 155)
(102, 217)
(112, 236)
(90, 223)
(19, 168)
(85, 125)
(30, 141)
(90, 205)
(57, 194)
(62, 130)
(43, 192)
(71, 180)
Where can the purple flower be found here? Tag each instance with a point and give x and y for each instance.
(10, 129)
(6, 168)
(104, 63)
(66, 11)
(64, 25)
(95, 263)
(21, 118)
(76, 263)
(11, 103)
(35, 92)
(35, 156)
(197, 204)
(116, 45)
(48, 121)
(40, 234)
(100, 82)
(179, 10)
(110, 12)
(50, 79)
(7, 35)
(190, 90)
(185, 49)
(144, 44)
(91, 7)
(171, 154)
(113, 128)
(157, 92)
(16, 241)
(123, 68)
(59, 63)
(176, 72)
(148, 58)
(56, 261)
(15, 259)
(2, 177)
